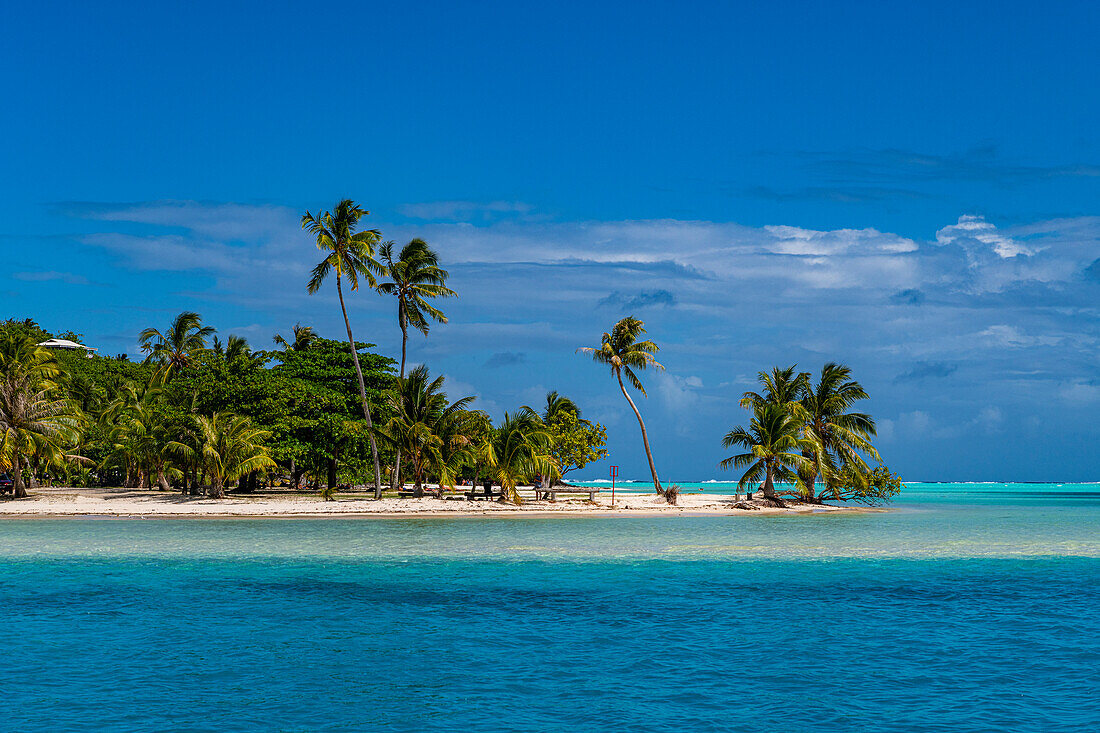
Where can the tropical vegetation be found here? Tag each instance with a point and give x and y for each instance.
(201, 415)
(805, 434)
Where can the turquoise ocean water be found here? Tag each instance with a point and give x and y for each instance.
(969, 607)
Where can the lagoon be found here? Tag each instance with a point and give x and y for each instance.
(967, 607)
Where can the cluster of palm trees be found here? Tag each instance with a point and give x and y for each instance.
(801, 433)
(414, 277)
(432, 436)
(804, 434)
(38, 421)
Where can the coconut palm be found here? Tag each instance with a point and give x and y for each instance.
(773, 446)
(304, 338)
(177, 346)
(622, 351)
(836, 436)
(780, 387)
(229, 447)
(557, 404)
(37, 421)
(424, 424)
(415, 277)
(519, 449)
(350, 254)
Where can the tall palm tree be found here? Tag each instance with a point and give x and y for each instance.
(519, 449)
(623, 352)
(836, 436)
(415, 277)
(37, 421)
(229, 447)
(350, 254)
(780, 387)
(176, 347)
(773, 444)
(304, 338)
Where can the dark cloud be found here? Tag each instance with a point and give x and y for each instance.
(45, 276)
(911, 296)
(923, 370)
(505, 358)
(644, 299)
(1092, 272)
(840, 194)
(982, 163)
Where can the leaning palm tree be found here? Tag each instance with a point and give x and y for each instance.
(773, 444)
(622, 351)
(836, 436)
(304, 338)
(415, 277)
(229, 447)
(37, 421)
(349, 254)
(176, 347)
(518, 450)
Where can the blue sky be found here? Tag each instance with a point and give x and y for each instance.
(914, 191)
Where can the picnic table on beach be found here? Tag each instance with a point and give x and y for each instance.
(552, 492)
(486, 492)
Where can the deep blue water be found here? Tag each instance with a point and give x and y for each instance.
(959, 611)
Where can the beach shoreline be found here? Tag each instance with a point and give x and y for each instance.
(63, 502)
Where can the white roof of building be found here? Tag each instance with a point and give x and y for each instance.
(64, 344)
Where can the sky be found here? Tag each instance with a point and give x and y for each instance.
(912, 190)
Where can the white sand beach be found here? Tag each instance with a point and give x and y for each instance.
(122, 503)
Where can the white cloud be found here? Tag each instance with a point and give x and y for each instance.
(978, 229)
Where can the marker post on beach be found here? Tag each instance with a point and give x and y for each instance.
(614, 475)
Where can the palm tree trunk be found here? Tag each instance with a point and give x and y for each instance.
(362, 394)
(216, 490)
(395, 485)
(18, 490)
(645, 437)
(768, 488)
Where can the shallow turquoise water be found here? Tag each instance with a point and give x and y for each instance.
(969, 608)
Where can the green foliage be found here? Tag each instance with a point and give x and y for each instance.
(518, 450)
(574, 443)
(879, 486)
(427, 428)
(38, 422)
(772, 443)
(815, 419)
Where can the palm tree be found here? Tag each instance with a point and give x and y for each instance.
(177, 346)
(350, 254)
(773, 443)
(519, 449)
(622, 351)
(304, 338)
(836, 437)
(415, 276)
(36, 419)
(781, 387)
(425, 425)
(229, 447)
(557, 404)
